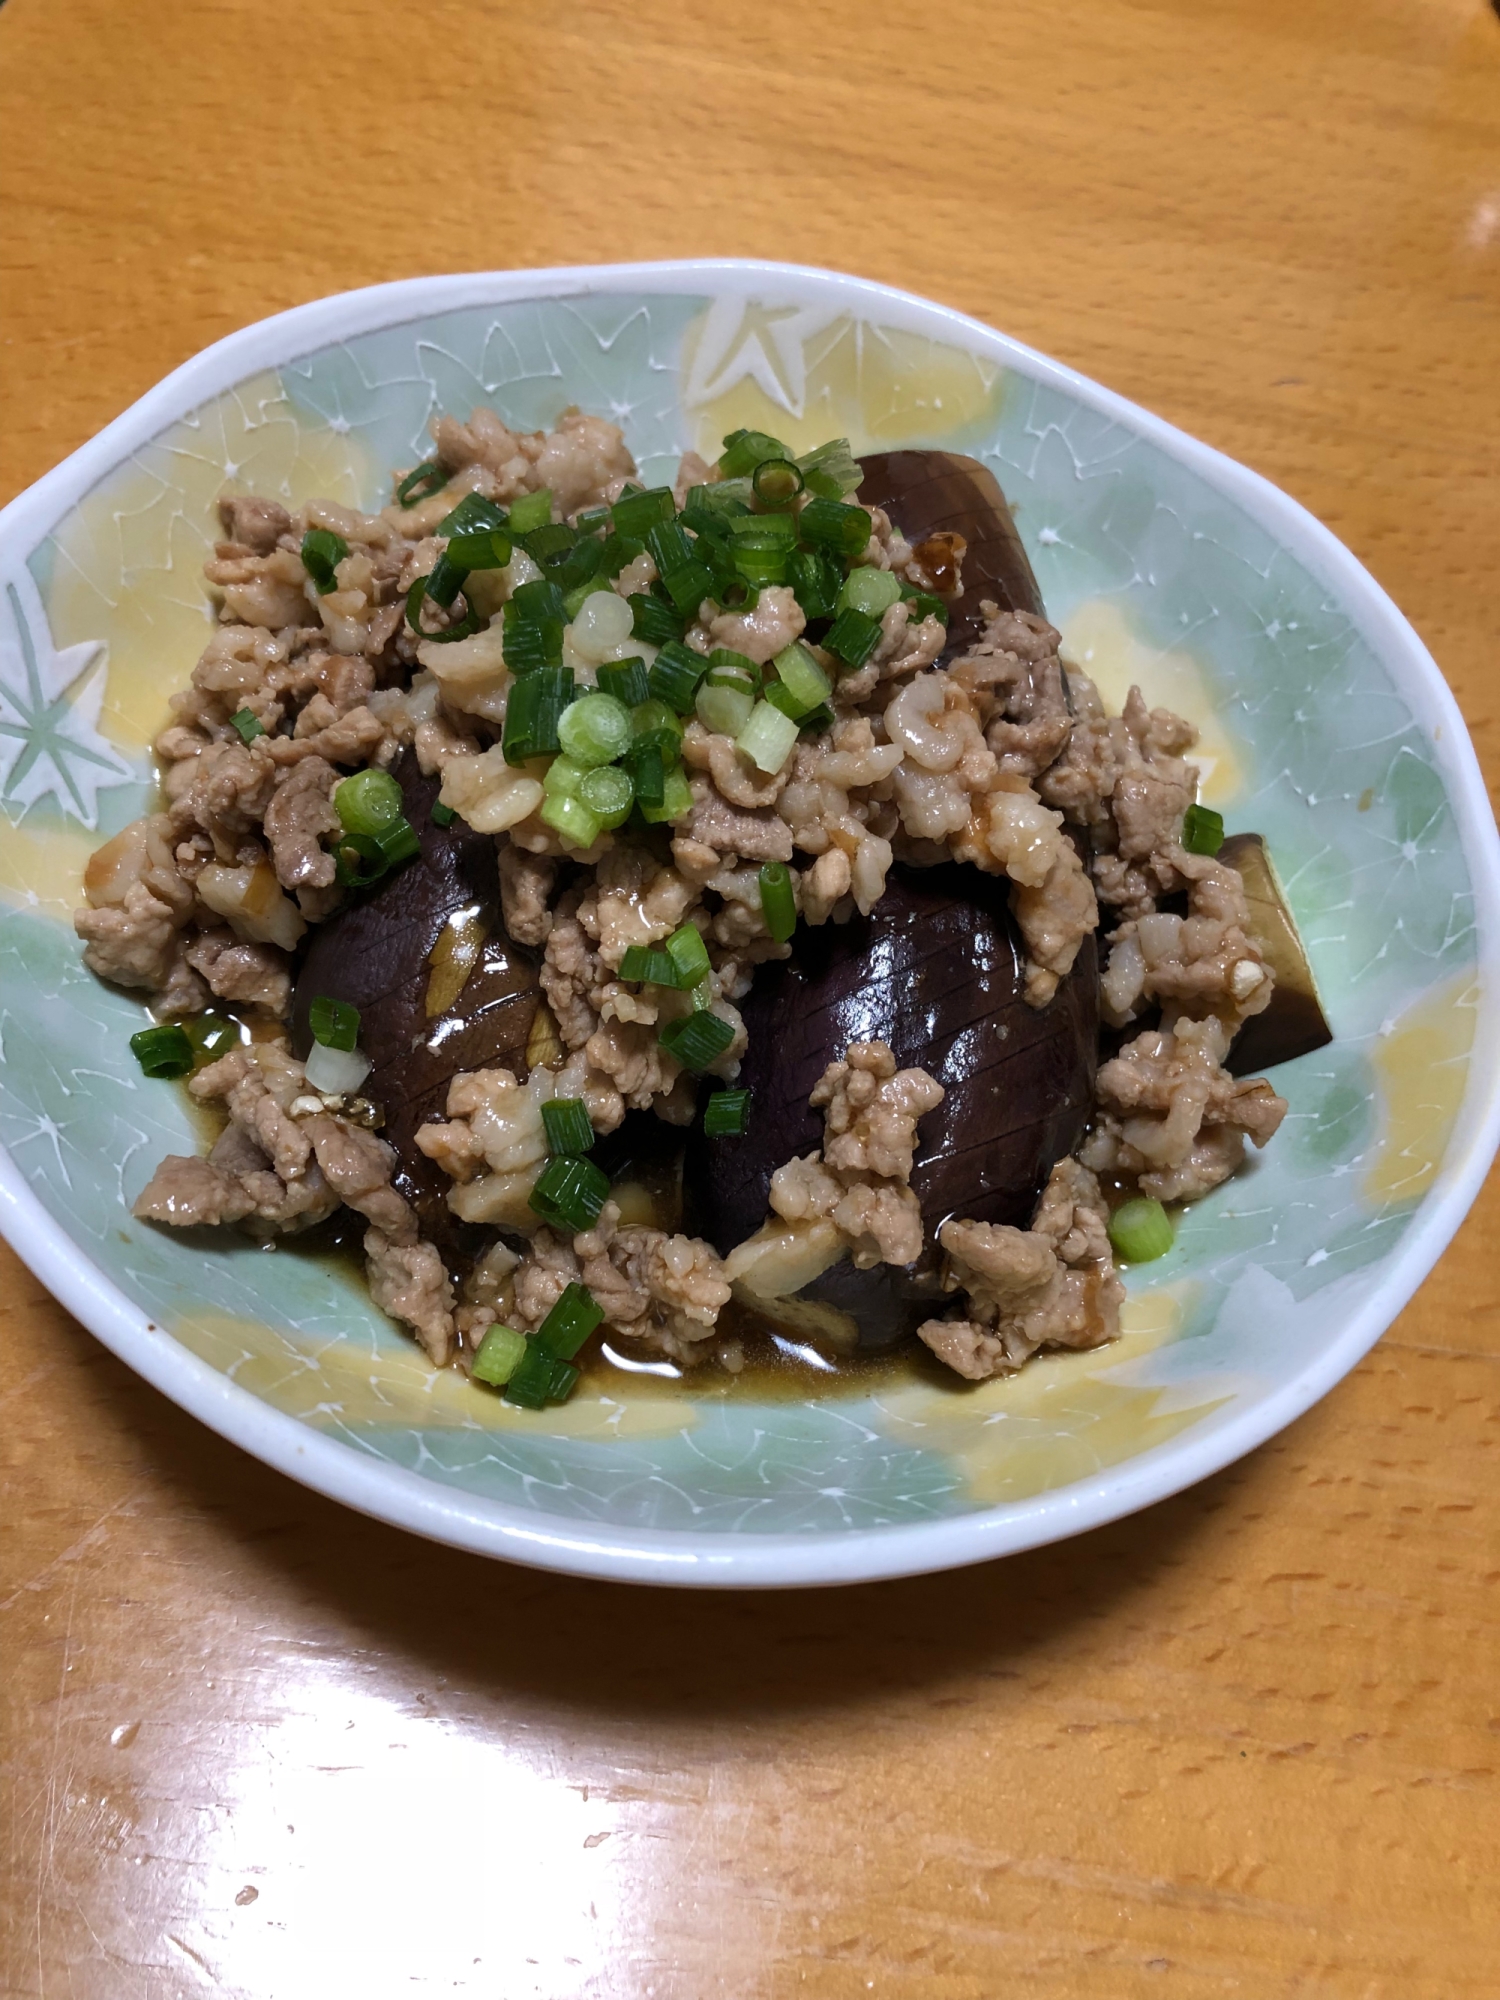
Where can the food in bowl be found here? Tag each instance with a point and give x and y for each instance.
(675, 911)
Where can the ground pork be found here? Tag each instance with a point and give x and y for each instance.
(247, 975)
(408, 1281)
(1171, 1118)
(298, 818)
(526, 884)
(1053, 1285)
(1203, 963)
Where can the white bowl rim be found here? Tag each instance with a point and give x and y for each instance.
(747, 1560)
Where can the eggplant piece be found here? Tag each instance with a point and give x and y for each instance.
(937, 971)
(928, 493)
(380, 952)
(1294, 1023)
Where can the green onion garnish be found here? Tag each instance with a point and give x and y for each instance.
(777, 482)
(163, 1051)
(636, 514)
(1141, 1230)
(832, 472)
(531, 511)
(569, 1128)
(474, 515)
(688, 586)
(675, 674)
(802, 677)
(368, 802)
(696, 1039)
(213, 1035)
(625, 680)
(569, 1323)
(562, 778)
(334, 1023)
(538, 1379)
(537, 602)
(442, 815)
(1202, 830)
(616, 552)
(321, 551)
(648, 964)
(569, 1193)
(768, 738)
(733, 670)
(763, 531)
(828, 524)
(646, 767)
(761, 567)
(744, 450)
(608, 793)
(532, 711)
(566, 814)
(689, 956)
(676, 800)
(462, 628)
(853, 636)
(815, 580)
(594, 729)
(653, 621)
(726, 1114)
(446, 580)
(248, 725)
(499, 1355)
(816, 720)
(924, 605)
(550, 544)
(778, 904)
(483, 548)
(421, 483)
(575, 599)
(530, 644)
(723, 706)
(361, 859)
(653, 722)
(870, 590)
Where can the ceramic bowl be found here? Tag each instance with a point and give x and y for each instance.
(1325, 725)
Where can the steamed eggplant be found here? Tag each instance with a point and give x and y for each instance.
(1294, 1023)
(439, 986)
(937, 971)
(933, 494)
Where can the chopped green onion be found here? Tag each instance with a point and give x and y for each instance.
(322, 550)
(762, 567)
(538, 1379)
(531, 511)
(1141, 1230)
(707, 508)
(550, 543)
(778, 904)
(213, 1035)
(744, 450)
(675, 674)
(832, 472)
(574, 600)
(651, 721)
(368, 802)
(670, 544)
(421, 483)
(474, 515)
(532, 710)
(361, 859)
(591, 518)
(248, 724)
(608, 793)
(763, 531)
(482, 548)
(696, 1039)
(726, 1114)
(815, 579)
(689, 955)
(529, 645)
(442, 815)
(563, 777)
(768, 737)
(777, 482)
(924, 605)
(334, 1023)
(648, 964)
(652, 620)
(723, 709)
(688, 586)
(676, 799)
(499, 1355)
(595, 729)
(828, 524)
(802, 677)
(537, 602)
(569, 1193)
(625, 680)
(853, 636)
(462, 628)
(618, 550)
(1202, 830)
(736, 670)
(568, 1125)
(816, 720)
(646, 768)
(163, 1051)
(636, 514)
(446, 581)
(569, 1323)
(870, 590)
(570, 817)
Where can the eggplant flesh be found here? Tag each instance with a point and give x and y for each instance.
(940, 492)
(377, 953)
(1294, 1023)
(936, 971)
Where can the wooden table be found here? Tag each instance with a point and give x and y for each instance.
(1245, 1744)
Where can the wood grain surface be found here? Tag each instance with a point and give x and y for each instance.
(1243, 1745)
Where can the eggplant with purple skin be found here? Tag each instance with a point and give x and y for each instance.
(1294, 1023)
(439, 985)
(937, 971)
